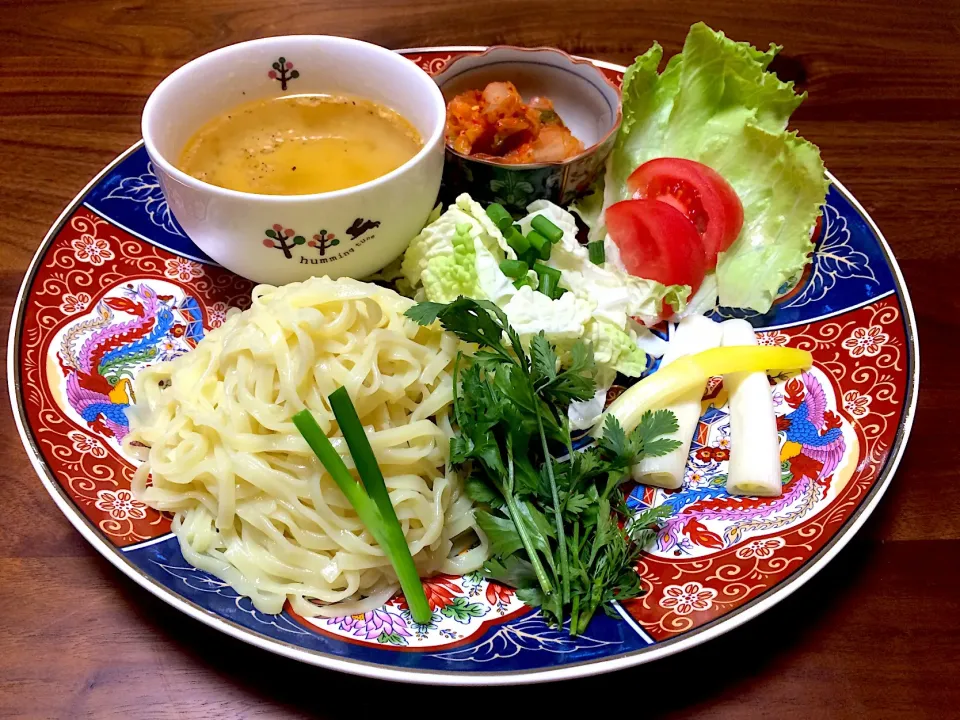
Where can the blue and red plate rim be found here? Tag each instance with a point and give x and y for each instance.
(365, 668)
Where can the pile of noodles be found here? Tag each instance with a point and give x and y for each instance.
(251, 502)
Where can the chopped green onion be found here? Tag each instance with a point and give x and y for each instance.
(559, 293)
(523, 281)
(547, 286)
(501, 218)
(377, 514)
(541, 244)
(597, 254)
(516, 240)
(549, 279)
(537, 241)
(541, 269)
(547, 228)
(514, 268)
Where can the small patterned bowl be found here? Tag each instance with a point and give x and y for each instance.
(586, 100)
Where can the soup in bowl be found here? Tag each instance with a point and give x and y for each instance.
(294, 156)
(300, 145)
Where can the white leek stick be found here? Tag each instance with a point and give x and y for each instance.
(693, 334)
(754, 445)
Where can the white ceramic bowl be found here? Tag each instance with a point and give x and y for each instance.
(279, 239)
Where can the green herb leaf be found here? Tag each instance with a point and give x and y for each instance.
(587, 464)
(547, 117)
(530, 596)
(614, 439)
(643, 537)
(537, 522)
(513, 571)
(460, 449)
(652, 515)
(654, 423)
(501, 533)
(576, 382)
(480, 492)
(544, 359)
(424, 313)
(662, 446)
(577, 503)
(581, 359)
(527, 480)
(554, 528)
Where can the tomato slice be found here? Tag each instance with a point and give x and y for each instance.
(657, 242)
(697, 191)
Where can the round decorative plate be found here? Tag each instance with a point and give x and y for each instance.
(117, 285)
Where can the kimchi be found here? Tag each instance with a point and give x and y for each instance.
(495, 124)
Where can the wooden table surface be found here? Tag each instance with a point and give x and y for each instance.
(876, 634)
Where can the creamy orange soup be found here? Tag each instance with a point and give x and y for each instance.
(300, 144)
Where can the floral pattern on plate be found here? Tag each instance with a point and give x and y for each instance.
(462, 606)
(104, 305)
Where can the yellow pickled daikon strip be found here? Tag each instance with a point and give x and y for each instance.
(754, 445)
(693, 334)
(685, 373)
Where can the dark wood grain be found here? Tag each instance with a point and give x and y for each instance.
(877, 634)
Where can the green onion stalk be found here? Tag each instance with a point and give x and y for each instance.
(370, 500)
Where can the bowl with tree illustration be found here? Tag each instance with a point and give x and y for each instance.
(277, 239)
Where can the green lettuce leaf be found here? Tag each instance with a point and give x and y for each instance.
(447, 277)
(717, 103)
(615, 350)
(458, 254)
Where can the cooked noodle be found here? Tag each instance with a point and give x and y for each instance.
(251, 502)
